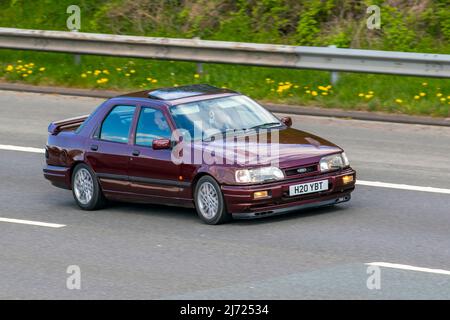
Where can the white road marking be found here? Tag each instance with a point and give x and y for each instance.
(401, 186)
(24, 149)
(407, 267)
(33, 223)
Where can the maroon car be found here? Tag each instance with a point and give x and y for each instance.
(195, 146)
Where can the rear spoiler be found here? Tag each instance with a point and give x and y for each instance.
(67, 124)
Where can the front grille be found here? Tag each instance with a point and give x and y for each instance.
(300, 170)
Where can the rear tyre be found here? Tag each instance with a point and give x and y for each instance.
(86, 189)
(209, 201)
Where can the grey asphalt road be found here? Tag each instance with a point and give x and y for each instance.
(130, 251)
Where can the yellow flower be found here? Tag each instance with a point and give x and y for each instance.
(31, 64)
(370, 92)
(424, 84)
(42, 69)
(105, 71)
(368, 96)
(422, 94)
(361, 94)
(196, 76)
(154, 81)
(322, 88)
(89, 72)
(9, 68)
(329, 86)
(127, 74)
(19, 61)
(296, 87)
(149, 79)
(102, 80)
(30, 71)
(417, 97)
(175, 85)
(448, 97)
(442, 99)
(314, 93)
(439, 94)
(132, 71)
(25, 75)
(83, 75)
(305, 87)
(398, 100)
(97, 72)
(324, 93)
(119, 69)
(308, 91)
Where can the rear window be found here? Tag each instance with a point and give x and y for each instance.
(85, 122)
(116, 126)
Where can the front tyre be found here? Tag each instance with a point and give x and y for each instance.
(209, 201)
(86, 189)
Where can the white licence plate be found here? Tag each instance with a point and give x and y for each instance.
(309, 187)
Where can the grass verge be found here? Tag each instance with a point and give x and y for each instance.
(395, 94)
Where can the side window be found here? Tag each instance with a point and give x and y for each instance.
(152, 125)
(116, 126)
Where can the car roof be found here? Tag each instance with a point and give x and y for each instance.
(181, 94)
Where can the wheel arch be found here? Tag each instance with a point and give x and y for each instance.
(197, 177)
(72, 168)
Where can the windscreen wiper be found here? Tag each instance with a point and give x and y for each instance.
(208, 138)
(265, 125)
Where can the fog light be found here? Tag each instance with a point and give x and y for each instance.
(347, 179)
(260, 194)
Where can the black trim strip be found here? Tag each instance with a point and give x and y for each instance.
(113, 176)
(165, 182)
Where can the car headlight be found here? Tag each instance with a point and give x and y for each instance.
(258, 175)
(334, 162)
(345, 159)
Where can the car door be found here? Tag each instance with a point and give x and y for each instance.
(152, 172)
(108, 151)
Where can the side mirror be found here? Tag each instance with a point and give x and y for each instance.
(287, 121)
(159, 144)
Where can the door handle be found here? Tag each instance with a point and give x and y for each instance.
(136, 153)
(94, 147)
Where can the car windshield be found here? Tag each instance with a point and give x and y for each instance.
(203, 119)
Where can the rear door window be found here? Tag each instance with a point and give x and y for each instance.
(116, 126)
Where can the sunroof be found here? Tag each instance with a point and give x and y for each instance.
(183, 92)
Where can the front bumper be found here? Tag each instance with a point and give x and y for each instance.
(241, 204)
